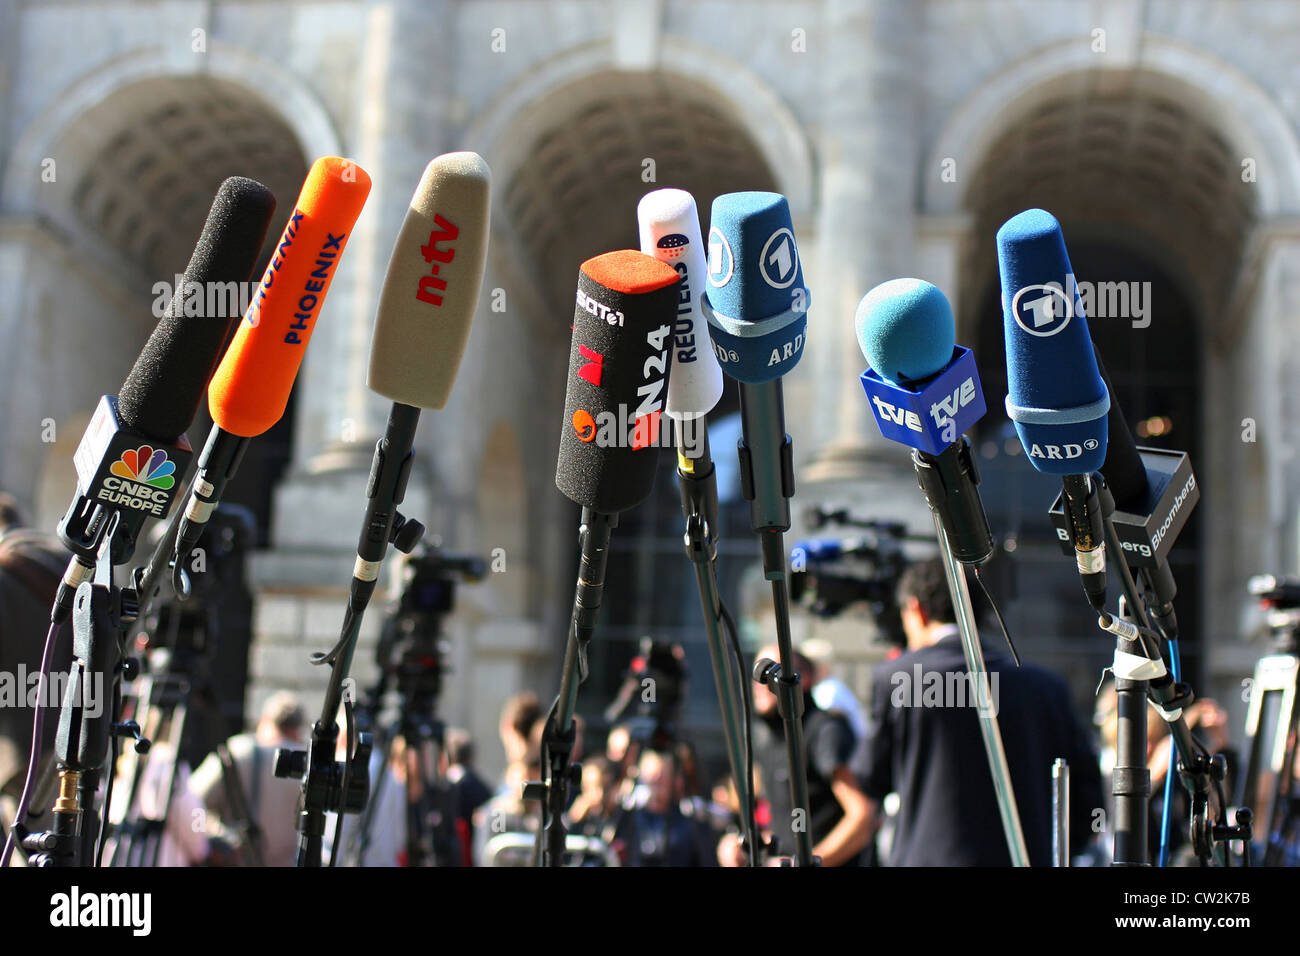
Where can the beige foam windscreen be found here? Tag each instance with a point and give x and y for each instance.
(432, 286)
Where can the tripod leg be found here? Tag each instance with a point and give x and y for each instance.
(361, 842)
(1282, 813)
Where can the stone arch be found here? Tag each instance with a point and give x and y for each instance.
(141, 143)
(1232, 101)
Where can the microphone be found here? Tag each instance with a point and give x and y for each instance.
(251, 386)
(1056, 398)
(1154, 491)
(425, 311)
(669, 227)
(134, 453)
(619, 370)
(756, 306)
(925, 393)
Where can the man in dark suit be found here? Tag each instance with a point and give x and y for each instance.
(925, 745)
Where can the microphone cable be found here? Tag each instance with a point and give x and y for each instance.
(747, 819)
(1166, 819)
(38, 725)
(996, 612)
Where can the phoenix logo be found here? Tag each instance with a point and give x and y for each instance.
(584, 426)
(146, 465)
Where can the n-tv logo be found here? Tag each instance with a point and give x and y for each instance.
(1042, 310)
(432, 285)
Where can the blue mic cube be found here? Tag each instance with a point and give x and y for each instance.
(933, 414)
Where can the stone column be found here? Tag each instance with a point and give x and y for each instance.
(866, 233)
(404, 92)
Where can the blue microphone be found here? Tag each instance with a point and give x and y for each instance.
(756, 306)
(925, 392)
(1055, 396)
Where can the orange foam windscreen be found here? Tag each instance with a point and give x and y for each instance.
(251, 387)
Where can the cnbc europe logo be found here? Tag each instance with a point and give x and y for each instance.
(140, 480)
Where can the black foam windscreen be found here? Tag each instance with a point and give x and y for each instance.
(164, 387)
(618, 380)
(1123, 470)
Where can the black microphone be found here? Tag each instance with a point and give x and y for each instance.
(1129, 480)
(250, 387)
(619, 367)
(134, 454)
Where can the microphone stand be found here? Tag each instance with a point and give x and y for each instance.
(761, 413)
(101, 614)
(989, 728)
(1140, 673)
(343, 786)
(699, 491)
(559, 775)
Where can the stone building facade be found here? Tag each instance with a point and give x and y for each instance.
(903, 133)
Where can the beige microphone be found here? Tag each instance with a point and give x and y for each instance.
(432, 286)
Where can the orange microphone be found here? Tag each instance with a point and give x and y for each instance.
(251, 386)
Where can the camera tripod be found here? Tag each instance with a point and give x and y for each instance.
(180, 701)
(431, 835)
(1273, 700)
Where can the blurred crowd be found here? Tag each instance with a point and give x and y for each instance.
(899, 778)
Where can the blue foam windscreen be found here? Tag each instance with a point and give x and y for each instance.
(1056, 398)
(754, 299)
(905, 330)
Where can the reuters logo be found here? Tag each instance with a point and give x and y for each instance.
(584, 426)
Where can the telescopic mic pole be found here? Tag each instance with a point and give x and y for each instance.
(925, 392)
(425, 312)
(619, 360)
(670, 231)
(757, 308)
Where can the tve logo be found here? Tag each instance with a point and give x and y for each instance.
(932, 416)
(896, 414)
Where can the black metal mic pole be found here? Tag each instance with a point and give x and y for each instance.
(767, 483)
(558, 733)
(100, 614)
(344, 786)
(699, 493)
(1140, 671)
